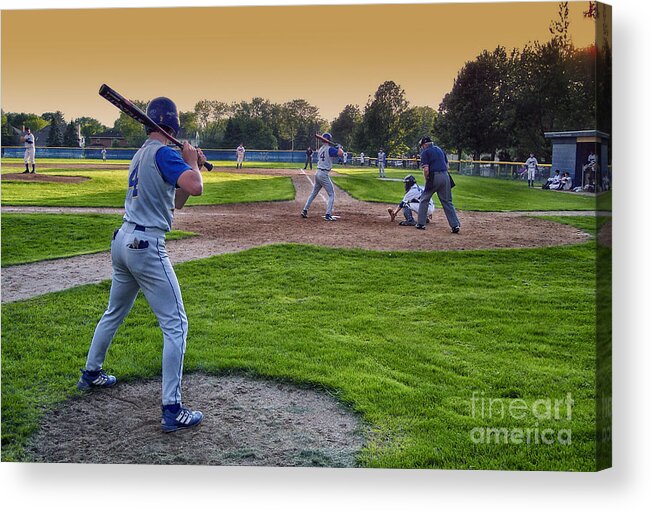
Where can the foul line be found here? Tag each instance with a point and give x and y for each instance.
(312, 183)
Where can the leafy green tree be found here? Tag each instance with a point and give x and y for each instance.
(554, 90)
(381, 121)
(477, 105)
(299, 120)
(132, 131)
(189, 124)
(251, 131)
(9, 136)
(70, 138)
(208, 110)
(31, 121)
(213, 134)
(256, 108)
(416, 122)
(447, 132)
(55, 136)
(560, 28)
(54, 116)
(90, 126)
(346, 125)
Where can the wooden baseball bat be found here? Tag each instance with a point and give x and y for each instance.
(325, 140)
(134, 112)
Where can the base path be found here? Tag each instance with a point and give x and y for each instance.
(235, 227)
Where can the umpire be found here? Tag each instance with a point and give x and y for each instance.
(437, 180)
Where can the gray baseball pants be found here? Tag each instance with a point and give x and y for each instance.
(322, 180)
(149, 269)
(439, 183)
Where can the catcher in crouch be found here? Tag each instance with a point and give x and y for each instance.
(410, 203)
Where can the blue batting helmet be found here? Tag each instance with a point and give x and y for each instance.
(327, 135)
(164, 113)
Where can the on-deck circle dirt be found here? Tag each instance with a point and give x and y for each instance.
(247, 422)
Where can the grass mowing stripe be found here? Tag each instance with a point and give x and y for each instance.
(471, 193)
(27, 238)
(108, 188)
(406, 348)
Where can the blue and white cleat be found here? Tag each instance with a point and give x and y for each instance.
(95, 379)
(183, 419)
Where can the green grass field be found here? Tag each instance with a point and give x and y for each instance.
(62, 161)
(58, 161)
(107, 188)
(471, 193)
(27, 238)
(406, 349)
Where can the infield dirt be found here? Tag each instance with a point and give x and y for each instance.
(235, 227)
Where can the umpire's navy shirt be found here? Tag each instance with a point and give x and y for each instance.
(435, 158)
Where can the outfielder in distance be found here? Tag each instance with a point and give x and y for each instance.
(160, 180)
(322, 178)
(240, 155)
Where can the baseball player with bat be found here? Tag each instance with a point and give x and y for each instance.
(160, 180)
(326, 153)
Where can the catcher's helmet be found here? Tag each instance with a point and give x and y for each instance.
(409, 182)
(424, 140)
(163, 111)
(327, 135)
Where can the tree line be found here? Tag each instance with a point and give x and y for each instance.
(500, 106)
(503, 102)
(387, 121)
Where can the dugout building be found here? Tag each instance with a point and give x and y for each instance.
(571, 153)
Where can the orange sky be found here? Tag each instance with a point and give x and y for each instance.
(235, 53)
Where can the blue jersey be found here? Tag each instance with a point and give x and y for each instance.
(153, 174)
(435, 158)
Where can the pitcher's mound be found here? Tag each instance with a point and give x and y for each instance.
(246, 422)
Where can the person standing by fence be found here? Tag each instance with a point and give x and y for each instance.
(532, 167)
(103, 153)
(308, 157)
(381, 162)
